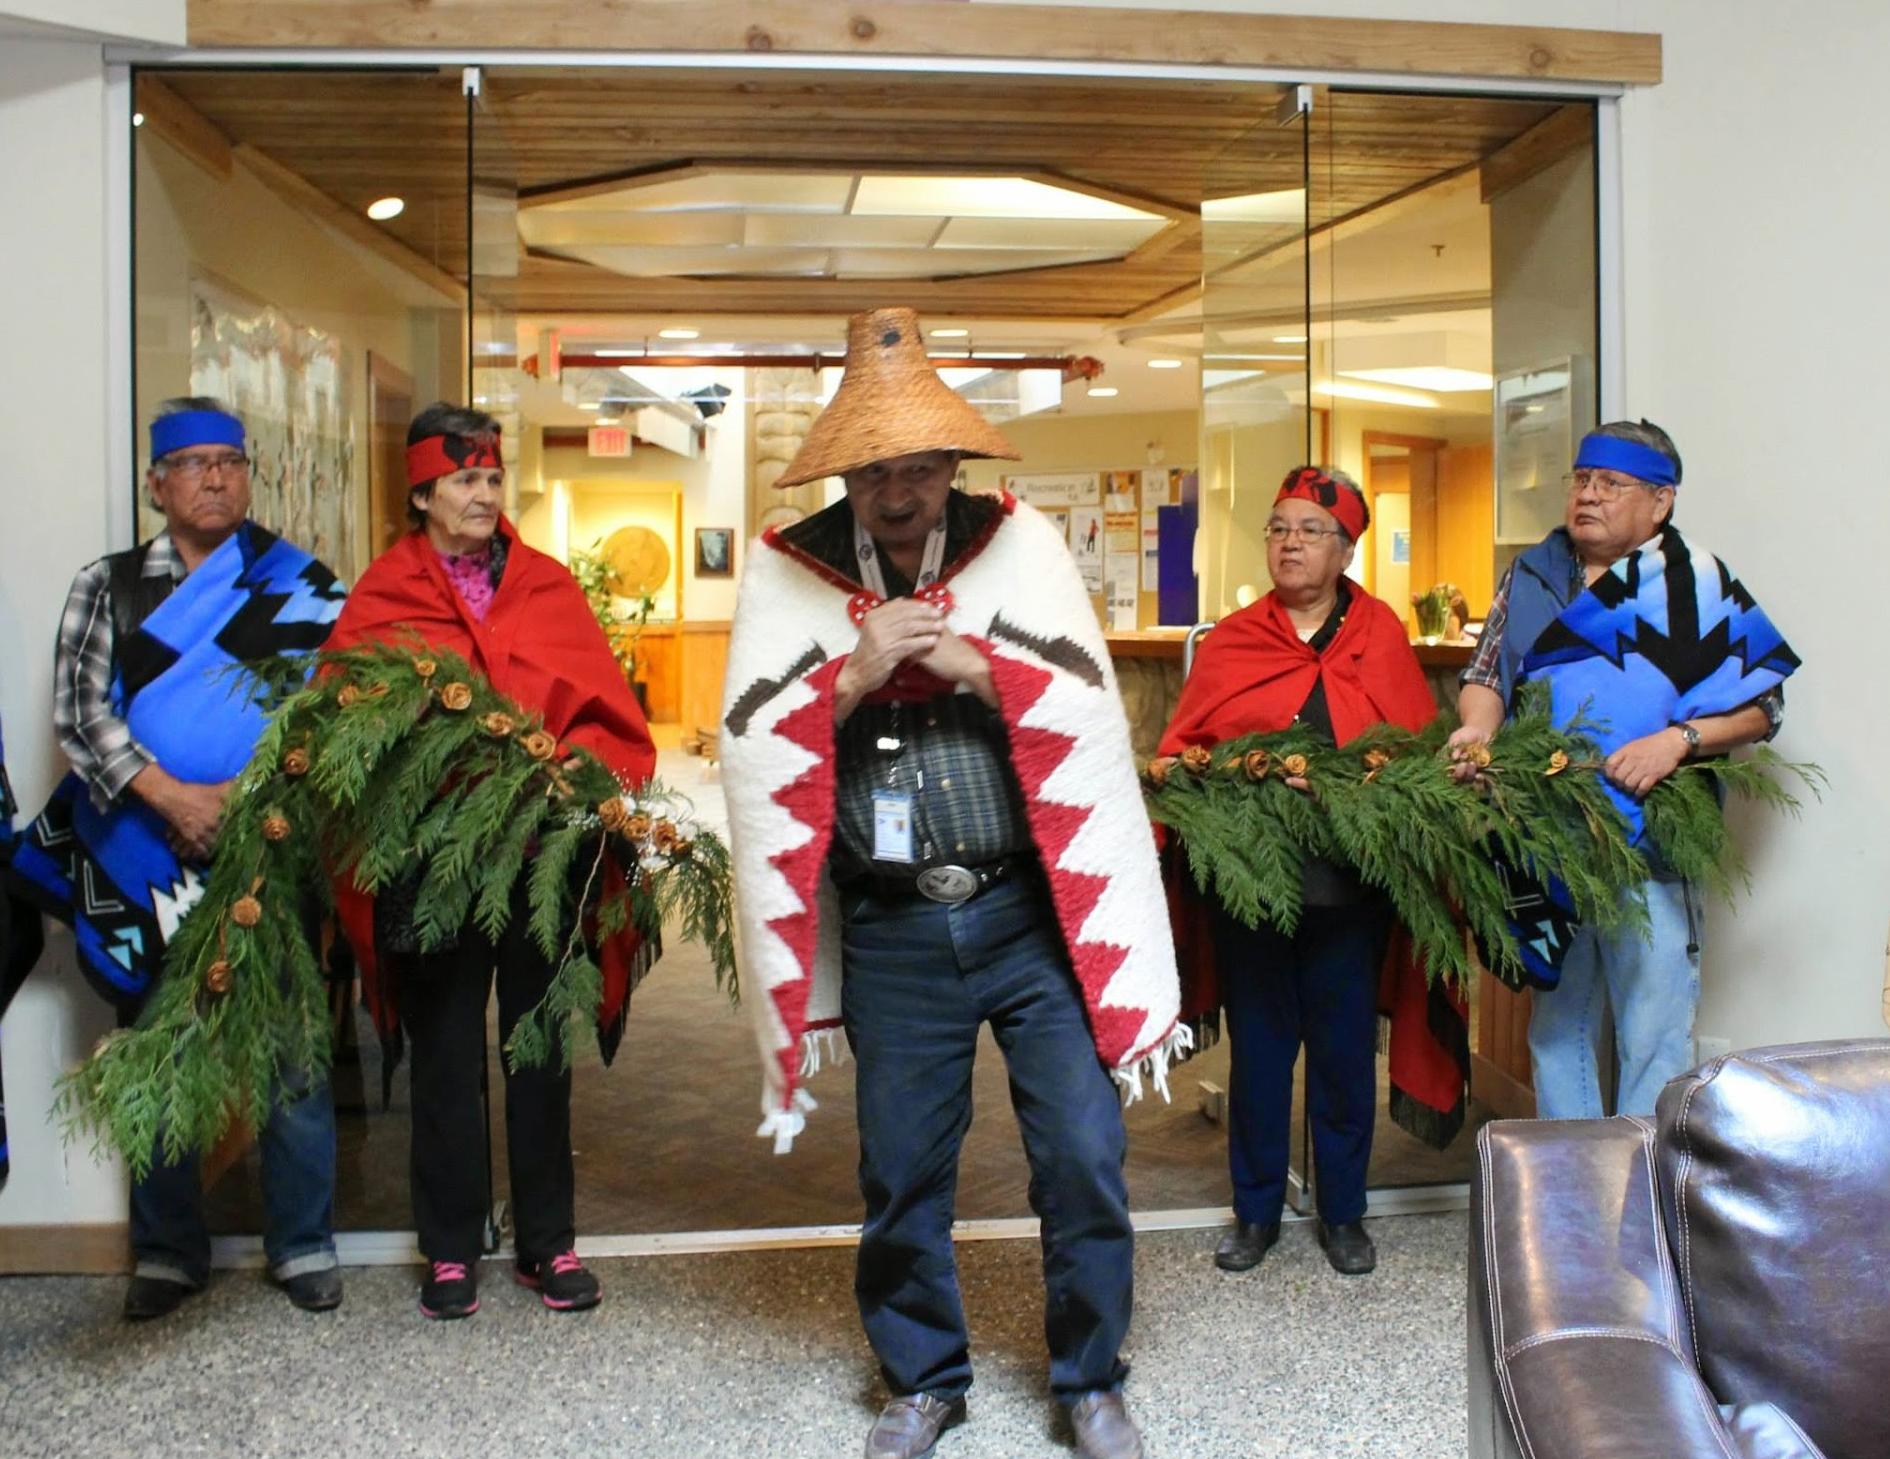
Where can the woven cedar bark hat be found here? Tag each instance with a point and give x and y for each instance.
(891, 402)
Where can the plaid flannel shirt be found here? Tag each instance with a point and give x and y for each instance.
(93, 734)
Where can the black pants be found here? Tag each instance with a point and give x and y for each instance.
(443, 1006)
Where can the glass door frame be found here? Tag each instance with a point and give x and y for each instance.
(369, 1247)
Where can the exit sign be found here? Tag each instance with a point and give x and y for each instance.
(609, 441)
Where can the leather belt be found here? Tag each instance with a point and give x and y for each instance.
(949, 884)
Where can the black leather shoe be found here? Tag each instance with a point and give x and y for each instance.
(1103, 1427)
(314, 1291)
(152, 1297)
(1241, 1249)
(1348, 1248)
(909, 1426)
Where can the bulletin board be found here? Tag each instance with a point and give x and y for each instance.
(1109, 520)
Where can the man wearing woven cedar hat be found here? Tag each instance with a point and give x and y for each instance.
(936, 826)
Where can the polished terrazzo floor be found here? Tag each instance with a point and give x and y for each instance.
(753, 1354)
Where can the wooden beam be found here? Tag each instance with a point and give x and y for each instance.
(168, 115)
(937, 28)
(1565, 130)
(299, 193)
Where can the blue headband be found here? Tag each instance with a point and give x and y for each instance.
(194, 428)
(1630, 458)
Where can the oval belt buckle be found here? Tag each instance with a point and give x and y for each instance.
(948, 884)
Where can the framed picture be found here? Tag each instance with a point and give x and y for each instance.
(715, 552)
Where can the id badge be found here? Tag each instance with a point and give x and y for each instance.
(892, 826)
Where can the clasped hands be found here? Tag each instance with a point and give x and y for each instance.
(909, 631)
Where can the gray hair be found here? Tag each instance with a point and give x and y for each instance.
(180, 404)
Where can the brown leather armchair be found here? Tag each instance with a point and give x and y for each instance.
(1712, 1282)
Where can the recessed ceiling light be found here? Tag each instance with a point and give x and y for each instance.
(1289, 339)
(381, 209)
(678, 334)
(1164, 364)
(950, 333)
(590, 405)
(1101, 392)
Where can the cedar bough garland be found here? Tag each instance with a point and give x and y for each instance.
(1388, 805)
(347, 779)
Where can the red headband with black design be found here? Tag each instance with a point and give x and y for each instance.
(1310, 484)
(432, 457)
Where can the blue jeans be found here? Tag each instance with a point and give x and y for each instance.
(1652, 985)
(921, 980)
(168, 1234)
(1318, 987)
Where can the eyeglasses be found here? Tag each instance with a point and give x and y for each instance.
(1606, 488)
(195, 468)
(1311, 536)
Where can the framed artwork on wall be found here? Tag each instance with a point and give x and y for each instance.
(715, 552)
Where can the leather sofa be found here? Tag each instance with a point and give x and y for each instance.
(1714, 1281)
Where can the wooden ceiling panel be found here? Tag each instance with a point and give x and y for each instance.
(357, 136)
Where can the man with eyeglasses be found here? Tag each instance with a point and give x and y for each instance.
(1652, 643)
(156, 728)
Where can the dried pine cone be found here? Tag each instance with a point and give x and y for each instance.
(456, 696)
(216, 977)
(1159, 768)
(1558, 762)
(1294, 765)
(637, 827)
(1256, 763)
(498, 724)
(539, 744)
(276, 827)
(613, 813)
(1197, 758)
(295, 762)
(246, 911)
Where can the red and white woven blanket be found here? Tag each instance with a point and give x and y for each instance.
(1014, 594)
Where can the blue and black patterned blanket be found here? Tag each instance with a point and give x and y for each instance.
(111, 873)
(1666, 634)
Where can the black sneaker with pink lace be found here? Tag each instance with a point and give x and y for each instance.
(449, 1291)
(562, 1283)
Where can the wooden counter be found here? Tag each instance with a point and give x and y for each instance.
(1165, 643)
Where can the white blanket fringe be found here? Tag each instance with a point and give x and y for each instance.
(823, 1045)
(1155, 1062)
(782, 1125)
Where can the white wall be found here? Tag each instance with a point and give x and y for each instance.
(55, 505)
(158, 21)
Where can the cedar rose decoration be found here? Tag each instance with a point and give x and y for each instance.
(246, 911)
(457, 696)
(348, 697)
(1159, 768)
(425, 668)
(1479, 756)
(216, 977)
(295, 762)
(613, 813)
(1197, 758)
(1294, 765)
(276, 827)
(637, 827)
(1558, 762)
(498, 724)
(1256, 763)
(539, 744)
(665, 837)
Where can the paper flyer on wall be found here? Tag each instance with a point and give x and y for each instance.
(1122, 595)
(1086, 545)
(1055, 488)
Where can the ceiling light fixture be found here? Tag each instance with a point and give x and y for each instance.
(950, 334)
(1289, 339)
(590, 405)
(1164, 364)
(1102, 392)
(1376, 394)
(381, 209)
(678, 334)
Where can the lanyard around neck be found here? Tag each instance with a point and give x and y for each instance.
(873, 576)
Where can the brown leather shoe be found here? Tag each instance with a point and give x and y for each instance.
(909, 1426)
(1103, 1427)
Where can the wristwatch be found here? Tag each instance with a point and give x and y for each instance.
(1691, 736)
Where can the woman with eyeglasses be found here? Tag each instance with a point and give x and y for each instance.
(1316, 650)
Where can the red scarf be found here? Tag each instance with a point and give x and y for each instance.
(540, 646)
(1252, 676)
